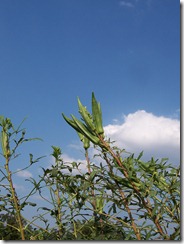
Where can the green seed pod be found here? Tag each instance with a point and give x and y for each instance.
(86, 143)
(84, 130)
(71, 123)
(85, 140)
(97, 115)
(86, 117)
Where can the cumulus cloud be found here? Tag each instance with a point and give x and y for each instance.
(67, 159)
(24, 173)
(157, 136)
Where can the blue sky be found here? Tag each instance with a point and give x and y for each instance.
(126, 51)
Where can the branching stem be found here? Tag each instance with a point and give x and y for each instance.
(15, 199)
(145, 203)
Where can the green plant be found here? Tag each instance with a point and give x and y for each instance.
(11, 139)
(111, 195)
(148, 186)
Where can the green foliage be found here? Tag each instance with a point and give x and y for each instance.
(9, 230)
(109, 198)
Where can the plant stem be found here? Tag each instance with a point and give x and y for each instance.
(15, 199)
(59, 214)
(92, 188)
(134, 227)
(147, 206)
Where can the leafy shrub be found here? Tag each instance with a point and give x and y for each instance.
(116, 198)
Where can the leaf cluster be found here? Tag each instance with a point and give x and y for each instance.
(115, 195)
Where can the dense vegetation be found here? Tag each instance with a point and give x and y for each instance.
(117, 197)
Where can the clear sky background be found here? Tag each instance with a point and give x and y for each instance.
(126, 51)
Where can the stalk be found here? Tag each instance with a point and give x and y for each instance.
(144, 202)
(92, 190)
(5, 144)
(58, 199)
(134, 227)
(15, 200)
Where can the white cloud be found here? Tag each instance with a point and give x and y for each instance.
(67, 159)
(24, 173)
(126, 4)
(158, 136)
